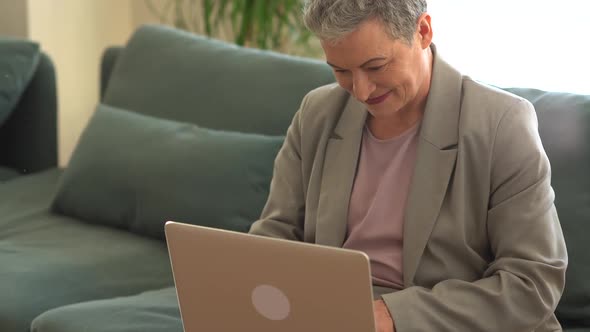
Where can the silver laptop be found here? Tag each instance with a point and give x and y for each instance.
(229, 281)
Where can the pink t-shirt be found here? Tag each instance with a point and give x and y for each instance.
(378, 202)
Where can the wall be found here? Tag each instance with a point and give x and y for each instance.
(74, 33)
(13, 18)
(538, 44)
(140, 14)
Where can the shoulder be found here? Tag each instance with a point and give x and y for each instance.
(501, 129)
(485, 108)
(492, 103)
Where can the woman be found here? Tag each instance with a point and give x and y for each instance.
(440, 180)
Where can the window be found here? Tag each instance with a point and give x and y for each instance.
(516, 43)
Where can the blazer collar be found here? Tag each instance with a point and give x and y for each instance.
(441, 115)
(352, 120)
(435, 162)
(339, 170)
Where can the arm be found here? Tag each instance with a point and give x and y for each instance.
(283, 214)
(28, 139)
(523, 284)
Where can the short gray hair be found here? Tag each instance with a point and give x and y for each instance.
(331, 20)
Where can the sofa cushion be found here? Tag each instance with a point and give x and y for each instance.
(152, 311)
(180, 76)
(564, 127)
(136, 172)
(48, 260)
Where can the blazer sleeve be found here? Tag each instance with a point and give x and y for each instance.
(283, 214)
(526, 278)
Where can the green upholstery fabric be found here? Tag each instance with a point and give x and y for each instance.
(7, 174)
(180, 76)
(153, 311)
(135, 172)
(48, 260)
(564, 127)
(107, 63)
(18, 62)
(28, 138)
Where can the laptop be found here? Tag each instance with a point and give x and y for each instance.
(230, 281)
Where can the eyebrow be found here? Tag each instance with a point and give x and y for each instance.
(364, 64)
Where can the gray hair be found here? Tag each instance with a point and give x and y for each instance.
(331, 20)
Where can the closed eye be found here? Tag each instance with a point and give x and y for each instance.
(376, 68)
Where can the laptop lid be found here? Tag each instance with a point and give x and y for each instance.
(230, 281)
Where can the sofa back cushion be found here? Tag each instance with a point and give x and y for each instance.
(135, 172)
(564, 127)
(176, 75)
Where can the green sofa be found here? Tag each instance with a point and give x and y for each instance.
(28, 116)
(187, 129)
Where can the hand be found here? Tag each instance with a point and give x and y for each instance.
(383, 319)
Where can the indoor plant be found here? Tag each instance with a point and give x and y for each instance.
(265, 24)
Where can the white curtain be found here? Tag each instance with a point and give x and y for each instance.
(543, 44)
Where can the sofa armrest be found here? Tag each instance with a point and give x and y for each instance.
(107, 63)
(28, 139)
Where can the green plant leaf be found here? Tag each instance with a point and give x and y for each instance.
(194, 22)
(179, 19)
(246, 25)
(266, 24)
(237, 14)
(207, 15)
(222, 12)
(260, 22)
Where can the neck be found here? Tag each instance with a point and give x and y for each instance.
(390, 127)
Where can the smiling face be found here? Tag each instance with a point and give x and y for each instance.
(389, 76)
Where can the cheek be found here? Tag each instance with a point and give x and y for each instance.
(391, 78)
(399, 80)
(344, 82)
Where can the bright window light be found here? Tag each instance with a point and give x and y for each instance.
(517, 43)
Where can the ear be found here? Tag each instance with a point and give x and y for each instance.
(424, 30)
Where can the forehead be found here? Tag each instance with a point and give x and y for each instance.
(369, 40)
(370, 33)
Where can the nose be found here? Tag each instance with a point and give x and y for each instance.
(362, 87)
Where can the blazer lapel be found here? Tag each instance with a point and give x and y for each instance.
(340, 164)
(435, 162)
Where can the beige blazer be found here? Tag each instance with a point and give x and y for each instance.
(483, 248)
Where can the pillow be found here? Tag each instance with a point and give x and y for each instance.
(136, 172)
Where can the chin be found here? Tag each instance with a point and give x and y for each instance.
(383, 110)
